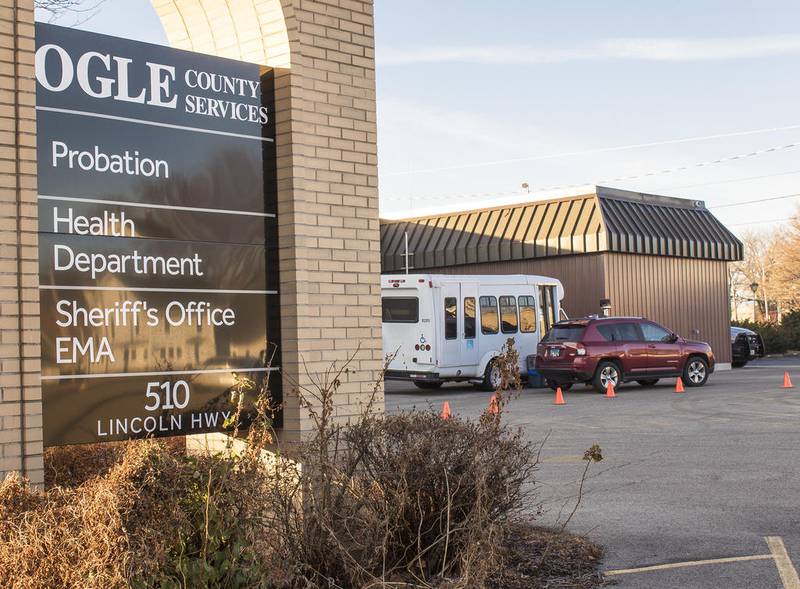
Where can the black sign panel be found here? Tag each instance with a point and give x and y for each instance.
(158, 254)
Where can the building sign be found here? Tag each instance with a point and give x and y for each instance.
(157, 235)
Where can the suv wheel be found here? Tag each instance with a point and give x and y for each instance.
(607, 372)
(565, 386)
(695, 373)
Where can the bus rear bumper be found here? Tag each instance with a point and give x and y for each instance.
(412, 375)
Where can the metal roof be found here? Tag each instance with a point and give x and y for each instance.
(608, 220)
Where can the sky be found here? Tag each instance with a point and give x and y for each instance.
(697, 99)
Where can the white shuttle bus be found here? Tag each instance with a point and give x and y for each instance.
(441, 328)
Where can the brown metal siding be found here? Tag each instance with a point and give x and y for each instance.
(687, 295)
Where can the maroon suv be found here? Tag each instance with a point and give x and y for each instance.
(602, 350)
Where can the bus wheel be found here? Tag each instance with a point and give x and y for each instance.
(492, 378)
(428, 384)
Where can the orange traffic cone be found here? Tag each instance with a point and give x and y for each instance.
(787, 382)
(679, 386)
(494, 406)
(445, 414)
(610, 390)
(559, 397)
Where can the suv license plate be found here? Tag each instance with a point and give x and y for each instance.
(553, 352)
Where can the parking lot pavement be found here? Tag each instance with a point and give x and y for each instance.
(706, 474)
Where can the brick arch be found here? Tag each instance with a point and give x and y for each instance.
(248, 30)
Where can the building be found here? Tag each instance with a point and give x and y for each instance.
(660, 257)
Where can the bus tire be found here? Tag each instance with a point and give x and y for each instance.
(491, 377)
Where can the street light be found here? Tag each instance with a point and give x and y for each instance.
(754, 288)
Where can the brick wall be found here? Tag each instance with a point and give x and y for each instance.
(328, 196)
(20, 388)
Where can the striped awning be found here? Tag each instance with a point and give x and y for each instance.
(607, 220)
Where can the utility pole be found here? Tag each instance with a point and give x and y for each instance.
(407, 253)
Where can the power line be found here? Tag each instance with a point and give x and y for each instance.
(707, 163)
(758, 222)
(749, 202)
(594, 151)
(730, 180)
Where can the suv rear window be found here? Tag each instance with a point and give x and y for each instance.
(619, 332)
(400, 309)
(565, 333)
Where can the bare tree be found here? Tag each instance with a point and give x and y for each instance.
(83, 10)
(736, 280)
(757, 268)
(787, 265)
(772, 261)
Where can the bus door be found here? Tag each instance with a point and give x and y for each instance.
(548, 313)
(451, 319)
(469, 323)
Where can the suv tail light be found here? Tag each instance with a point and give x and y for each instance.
(580, 350)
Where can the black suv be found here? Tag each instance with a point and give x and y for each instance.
(746, 345)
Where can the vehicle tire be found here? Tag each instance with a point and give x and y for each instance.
(565, 386)
(649, 382)
(739, 364)
(606, 372)
(428, 384)
(491, 377)
(695, 373)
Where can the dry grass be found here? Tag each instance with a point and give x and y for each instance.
(75, 537)
(570, 560)
(71, 466)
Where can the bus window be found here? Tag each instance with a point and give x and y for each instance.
(508, 314)
(400, 309)
(450, 318)
(547, 306)
(527, 314)
(489, 318)
(469, 318)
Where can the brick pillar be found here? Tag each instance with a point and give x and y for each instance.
(20, 388)
(330, 256)
(327, 169)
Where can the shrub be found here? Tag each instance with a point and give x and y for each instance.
(406, 500)
(403, 498)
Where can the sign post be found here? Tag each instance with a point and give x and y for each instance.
(157, 236)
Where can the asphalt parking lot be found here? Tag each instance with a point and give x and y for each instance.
(704, 475)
